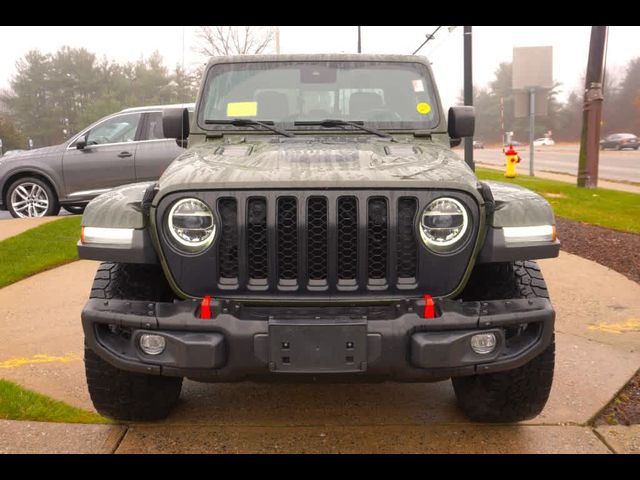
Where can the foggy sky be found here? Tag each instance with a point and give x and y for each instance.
(491, 45)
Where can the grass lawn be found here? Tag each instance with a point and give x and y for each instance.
(606, 208)
(38, 249)
(17, 403)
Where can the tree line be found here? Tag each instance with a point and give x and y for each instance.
(54, 95)
(621, 108)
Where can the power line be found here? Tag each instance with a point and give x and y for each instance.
(429, 37)
(441, 41)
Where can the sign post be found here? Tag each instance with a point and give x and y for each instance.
(532, 123)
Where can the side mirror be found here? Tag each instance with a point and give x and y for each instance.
(81, 143)
(461, 122)
(175, 123)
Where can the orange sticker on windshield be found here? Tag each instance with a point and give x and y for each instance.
(423, 108)
(242, 109)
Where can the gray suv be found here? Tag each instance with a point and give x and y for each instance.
(128, 146)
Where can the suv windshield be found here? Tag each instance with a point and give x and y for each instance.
(388, 95)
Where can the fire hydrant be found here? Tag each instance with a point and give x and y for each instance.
(512, 159)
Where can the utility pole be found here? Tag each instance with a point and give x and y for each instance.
(468, 93)
(532, 126)
(592, 110)
(359, 42)
(278, 40)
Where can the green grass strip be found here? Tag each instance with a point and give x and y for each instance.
(38, 249)
(596, 206)
(17, 403)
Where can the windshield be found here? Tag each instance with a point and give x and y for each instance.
(385, 95)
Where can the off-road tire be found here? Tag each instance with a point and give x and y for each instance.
(517, 394)
(52, 209)
(120, 394)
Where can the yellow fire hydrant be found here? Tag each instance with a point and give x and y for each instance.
(512, 159)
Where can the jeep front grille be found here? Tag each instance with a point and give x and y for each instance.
(317, 242)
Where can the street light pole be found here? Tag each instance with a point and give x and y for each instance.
(359, 41)
(468, 93)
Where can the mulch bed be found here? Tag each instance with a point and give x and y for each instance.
(619, 251)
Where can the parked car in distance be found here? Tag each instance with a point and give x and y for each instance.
(125, 147)
(541, 142)
(619, 141)
(478, 144)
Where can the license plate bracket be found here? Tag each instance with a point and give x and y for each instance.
(317, 347)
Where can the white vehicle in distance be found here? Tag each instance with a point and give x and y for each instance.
(541, 142)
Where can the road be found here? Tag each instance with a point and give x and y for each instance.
(614, 165)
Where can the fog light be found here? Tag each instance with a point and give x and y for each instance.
(152, 344)
(483, 343)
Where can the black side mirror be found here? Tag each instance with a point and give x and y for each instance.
(81, 143)
(462, 122)
(175, 123)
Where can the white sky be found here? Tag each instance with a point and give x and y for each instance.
(491, 45)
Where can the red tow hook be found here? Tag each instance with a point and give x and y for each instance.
(205, 308)
(429, 307)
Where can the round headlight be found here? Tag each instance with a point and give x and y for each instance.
(191, 224)
(443, 224)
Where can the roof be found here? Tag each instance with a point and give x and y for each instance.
(159, 107)
(320, 57)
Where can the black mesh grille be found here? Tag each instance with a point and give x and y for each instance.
(257, 238)
(377, 245)
(347, 238)
(228, 243)
(317, 238)
(287, 238)
(406, 240)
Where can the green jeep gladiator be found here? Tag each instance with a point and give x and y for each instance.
(319, 228)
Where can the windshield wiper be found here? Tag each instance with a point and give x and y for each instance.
(247, 122)
(339, 123)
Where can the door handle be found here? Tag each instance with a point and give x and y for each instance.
(125, 154)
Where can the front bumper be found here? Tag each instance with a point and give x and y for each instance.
(316, 342)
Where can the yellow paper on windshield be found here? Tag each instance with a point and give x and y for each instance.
(242, 109)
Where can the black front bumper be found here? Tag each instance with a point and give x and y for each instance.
(237, 345)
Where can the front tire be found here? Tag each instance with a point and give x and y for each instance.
(117, 393)
(30, 197)
(75, 209)
(521, 393)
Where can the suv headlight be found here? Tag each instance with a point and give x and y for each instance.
(443, 224)
(191, 224)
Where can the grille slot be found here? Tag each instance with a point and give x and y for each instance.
(257, 239)
(287, 239)
(406, 238)
(377, 239)
(317, 251)
(228, 242)
(347, 238)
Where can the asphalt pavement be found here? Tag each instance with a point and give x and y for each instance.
(613, 165)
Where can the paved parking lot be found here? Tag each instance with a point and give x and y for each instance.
(594, 360)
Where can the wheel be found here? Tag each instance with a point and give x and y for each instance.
(75, 209)
(31, 197)
(120, 394)
(517, 394)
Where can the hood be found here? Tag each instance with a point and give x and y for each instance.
(317, 163)
(32, 154)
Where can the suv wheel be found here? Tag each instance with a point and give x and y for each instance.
(31, 197)
(120, 394)
(517, 394)
(75, 209)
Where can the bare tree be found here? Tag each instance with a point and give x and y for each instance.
(221, 41)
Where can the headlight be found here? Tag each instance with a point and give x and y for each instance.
(443, 224)
(191, 224)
